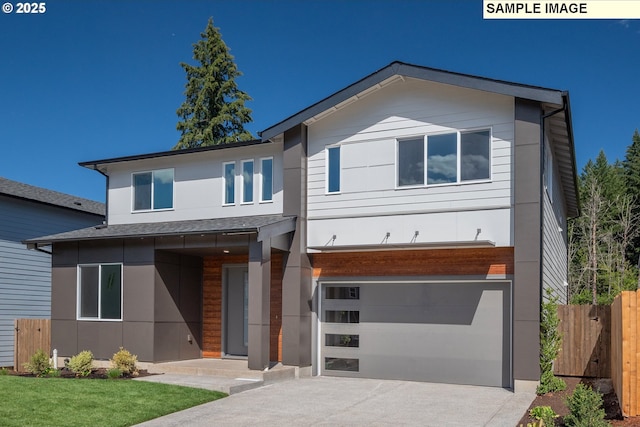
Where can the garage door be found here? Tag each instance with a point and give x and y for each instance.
(454, 333)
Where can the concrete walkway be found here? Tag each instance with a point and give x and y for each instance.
(324, 401)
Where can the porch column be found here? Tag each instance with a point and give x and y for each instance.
(259, 307)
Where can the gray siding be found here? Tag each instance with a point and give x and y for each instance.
(25, 275)
(554, 269)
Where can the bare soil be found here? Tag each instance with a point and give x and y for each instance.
(557, 402)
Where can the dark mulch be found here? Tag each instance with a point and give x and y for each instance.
(557, 402)
(96, 374)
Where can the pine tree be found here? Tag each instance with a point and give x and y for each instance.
(631, 166)
(214, 110)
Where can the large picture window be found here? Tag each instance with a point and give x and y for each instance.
(100, 292)
(450, 158)
(153, 190)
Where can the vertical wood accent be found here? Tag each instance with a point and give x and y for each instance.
(586, 333)
(31, 335)
(625, 360)
(212, 304)
(426, 262)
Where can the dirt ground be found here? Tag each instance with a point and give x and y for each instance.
(557, 402)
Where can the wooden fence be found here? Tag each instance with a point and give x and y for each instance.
(31, 335)
(625, 348)
(586, 333)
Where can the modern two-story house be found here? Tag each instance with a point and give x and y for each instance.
(403, 228)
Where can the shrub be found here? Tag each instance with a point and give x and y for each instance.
(585, 407)
(550, 343)
(81, 364)
(125, 362)
(4, 371)
(544, 414)
(114, 373)
(39, 364)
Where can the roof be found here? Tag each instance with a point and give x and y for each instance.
(96, 164)
(264, 225)
(49, 197)
(380, 77)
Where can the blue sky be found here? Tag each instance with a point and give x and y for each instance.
(93, 79)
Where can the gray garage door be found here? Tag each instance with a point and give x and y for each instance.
(454, 333)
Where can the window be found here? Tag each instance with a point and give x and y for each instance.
(229, 173)
(333, 170)
(341, 340)
(411, 162)
(153, 190)
(247, 181)
(100, 291)
(342, 292)
(548, 171)
(450, 158)
(266, 181)
(341, 316)
(341, 364)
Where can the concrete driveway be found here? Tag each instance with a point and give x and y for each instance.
(324, 401)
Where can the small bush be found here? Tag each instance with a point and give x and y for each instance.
(544, 414)
(81, 364)
(585, 407)
(4, 371)
(125, 362)
(39, 364)
(114, 373)
(54, 373)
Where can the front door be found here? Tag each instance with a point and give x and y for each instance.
(237, 311)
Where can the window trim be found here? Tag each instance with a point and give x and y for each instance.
(78, 293)
(152, 172)
(224, 183)
(253, 189)
(459, 180)
(327, 167)
(261, 180)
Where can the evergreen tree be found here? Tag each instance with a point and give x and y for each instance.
(631, 166)
(213, 111)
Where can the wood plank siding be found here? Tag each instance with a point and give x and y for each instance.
(433, 262)
(212, 322)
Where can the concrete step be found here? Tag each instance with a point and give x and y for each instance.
(226, 369)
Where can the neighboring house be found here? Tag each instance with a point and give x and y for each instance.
(25, 276)
(404, 227)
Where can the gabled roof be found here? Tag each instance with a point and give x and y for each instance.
(382, 76)
(31, 193)
(268, 225)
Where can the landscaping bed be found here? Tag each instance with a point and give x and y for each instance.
(557, 402)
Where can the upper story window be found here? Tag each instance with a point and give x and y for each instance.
(100, 292)
(450, 158)
(333, 170)
(266, 181)
(153, 190)
(247, 181)
(229, 173)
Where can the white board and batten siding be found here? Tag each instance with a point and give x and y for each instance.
(198, 185)
(25, 275)
(369, 205)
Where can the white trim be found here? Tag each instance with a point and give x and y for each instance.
(242, 182)
(78, 292)
(326, 169)
(224, 183)
(261, 180)
(152, 172)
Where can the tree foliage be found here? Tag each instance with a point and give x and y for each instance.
(214, 110)
(602, 241)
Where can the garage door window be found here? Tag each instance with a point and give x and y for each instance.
(343, 292)
(341, 340)
(342, 316)
(341, 364)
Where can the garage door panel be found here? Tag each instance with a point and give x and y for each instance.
(454, 333)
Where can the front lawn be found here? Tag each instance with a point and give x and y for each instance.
(85, 402)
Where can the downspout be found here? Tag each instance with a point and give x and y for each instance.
(106, 196)
(543, 117)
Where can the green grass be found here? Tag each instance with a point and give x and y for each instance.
(83, 402)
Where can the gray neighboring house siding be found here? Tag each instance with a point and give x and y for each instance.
(25, 275)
